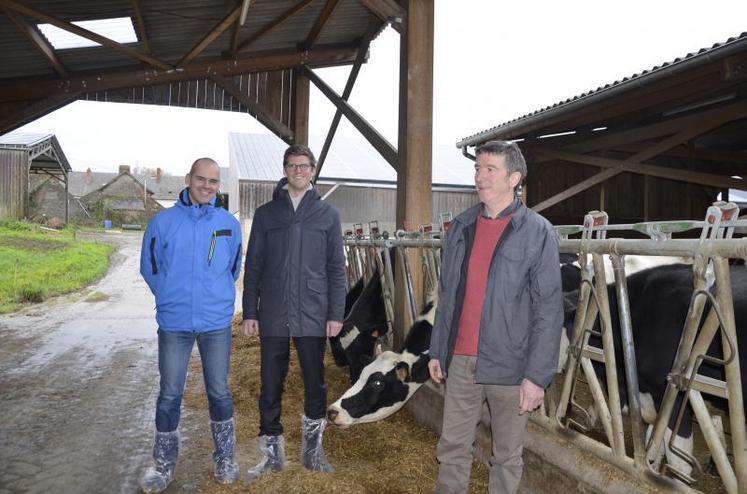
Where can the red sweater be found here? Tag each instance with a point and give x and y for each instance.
(487, 235)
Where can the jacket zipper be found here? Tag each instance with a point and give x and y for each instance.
(153, 263)
(212, 248)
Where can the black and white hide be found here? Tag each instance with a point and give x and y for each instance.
(364, 323)
(659, 301)
(385, 385)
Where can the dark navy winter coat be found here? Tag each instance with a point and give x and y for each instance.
(294, 277)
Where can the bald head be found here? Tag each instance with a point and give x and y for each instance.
(203, 161)
(203, 180)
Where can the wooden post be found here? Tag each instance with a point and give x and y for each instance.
(300, 115)
(414, 205)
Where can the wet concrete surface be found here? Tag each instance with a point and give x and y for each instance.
(78, 384)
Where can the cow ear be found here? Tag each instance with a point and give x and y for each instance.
(377, 350)
(403, 371)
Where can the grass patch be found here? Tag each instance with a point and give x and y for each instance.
(96, 297)
(36, 264)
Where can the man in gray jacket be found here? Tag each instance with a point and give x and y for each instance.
(294, 287)
(497, 328)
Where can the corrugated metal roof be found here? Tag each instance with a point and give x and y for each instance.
(173, 28)
(22, 140)
(704, 55)
(43, 149)
(258, 157)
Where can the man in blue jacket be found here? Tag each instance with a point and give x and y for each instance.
(190, 259)
(294, 287)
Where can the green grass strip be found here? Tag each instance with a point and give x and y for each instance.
(36, 264)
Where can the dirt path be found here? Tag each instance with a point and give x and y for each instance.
(78, 383)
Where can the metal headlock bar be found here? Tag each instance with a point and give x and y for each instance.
(709, 253)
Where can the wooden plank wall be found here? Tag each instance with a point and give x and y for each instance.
(14, 183)
(357, 204)
(626, 198)
(271, 90)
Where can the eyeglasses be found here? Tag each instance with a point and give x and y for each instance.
(304, 167)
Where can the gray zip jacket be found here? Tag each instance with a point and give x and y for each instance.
(522, 314)
(294, 278)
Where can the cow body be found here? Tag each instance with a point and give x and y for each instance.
(385, 385)
(659, 301)
(364, 323)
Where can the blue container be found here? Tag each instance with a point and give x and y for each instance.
(107, 224)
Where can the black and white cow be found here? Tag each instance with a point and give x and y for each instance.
(390, 380)
(364, 323)
(659, 300)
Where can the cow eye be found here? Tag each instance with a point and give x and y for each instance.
(377, 383)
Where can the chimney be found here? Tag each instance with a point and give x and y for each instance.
(158, 174)
(89, 176)
(124, 169)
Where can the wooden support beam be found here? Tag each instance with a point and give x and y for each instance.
(373, 28)
(385, 149)
(84, 33)
(275, 24)
(39, 42)
(25, 89)
(301, 90)
(34, 110)
(678, 174)
(263, 116)
(388, 11)
(211, 36)
(703, 125)
(329, 8)
(415, 142)
(140, 25)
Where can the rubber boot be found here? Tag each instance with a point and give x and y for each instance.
(165, 453)
(312, 452)
(224, 438)
(273, 449)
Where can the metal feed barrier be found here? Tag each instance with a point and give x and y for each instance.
(712, 296)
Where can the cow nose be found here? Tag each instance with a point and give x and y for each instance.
(332, 414)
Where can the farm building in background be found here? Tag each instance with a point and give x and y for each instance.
(25, 155)
(355, 178)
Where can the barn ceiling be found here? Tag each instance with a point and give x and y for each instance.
(236, 55)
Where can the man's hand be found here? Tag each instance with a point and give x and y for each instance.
(251, 327)
(530, 396)
(333, 328)
(434, 368)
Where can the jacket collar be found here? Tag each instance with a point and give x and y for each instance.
(517, 209)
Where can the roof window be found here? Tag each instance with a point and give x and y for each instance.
(119, 29)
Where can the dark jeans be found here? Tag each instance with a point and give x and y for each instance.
(275, 353)
(174, 350)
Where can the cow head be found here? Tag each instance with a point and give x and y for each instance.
(382, 388)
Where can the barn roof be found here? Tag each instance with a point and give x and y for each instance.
(44, 150)
(258, 157)
(553, 119)
(192, 53)
(165, 188)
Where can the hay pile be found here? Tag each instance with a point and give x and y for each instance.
(396, 455)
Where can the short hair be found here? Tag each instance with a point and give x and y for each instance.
(199, 161)
(298, 150)
(515, 161)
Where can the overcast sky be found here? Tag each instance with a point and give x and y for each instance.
(494, 61)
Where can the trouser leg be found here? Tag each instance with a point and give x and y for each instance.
(462, 408)
(174, 349)
(215, 352)
(508, 429)
(311, 357)
(274, 354)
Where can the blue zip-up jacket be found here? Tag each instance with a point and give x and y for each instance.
(190, 259)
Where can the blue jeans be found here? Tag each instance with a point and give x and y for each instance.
(174, 350)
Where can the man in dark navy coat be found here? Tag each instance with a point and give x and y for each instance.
(294, 287)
